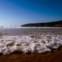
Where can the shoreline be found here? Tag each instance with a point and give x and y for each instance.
(53, 56)
(46, 57)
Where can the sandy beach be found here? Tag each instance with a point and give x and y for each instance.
(46, 57)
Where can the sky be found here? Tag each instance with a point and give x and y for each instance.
(14, 13)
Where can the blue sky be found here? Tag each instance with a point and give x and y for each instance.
(18, 12)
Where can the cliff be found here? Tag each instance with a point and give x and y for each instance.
(46, 24)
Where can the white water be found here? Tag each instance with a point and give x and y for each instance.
(25, 43)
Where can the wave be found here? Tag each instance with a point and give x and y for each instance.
(38, 43)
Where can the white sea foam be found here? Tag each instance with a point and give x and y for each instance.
(29, 43)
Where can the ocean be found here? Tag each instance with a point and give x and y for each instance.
(33, 39)
(31, 30)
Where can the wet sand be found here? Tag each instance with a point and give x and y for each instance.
(55, 56)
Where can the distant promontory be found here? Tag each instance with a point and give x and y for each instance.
(45, 24)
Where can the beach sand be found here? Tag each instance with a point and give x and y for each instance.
(55, 56)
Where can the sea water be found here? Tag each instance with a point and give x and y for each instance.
(32, 40)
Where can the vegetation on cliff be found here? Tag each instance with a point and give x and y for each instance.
(46, 24)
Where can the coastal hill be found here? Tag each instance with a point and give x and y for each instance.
(45, 24)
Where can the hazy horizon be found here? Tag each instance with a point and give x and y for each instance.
(14, 13)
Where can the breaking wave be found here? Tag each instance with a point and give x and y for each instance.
(30, 43)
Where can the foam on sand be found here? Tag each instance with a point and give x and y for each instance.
(29, 43)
